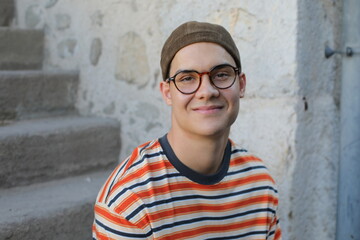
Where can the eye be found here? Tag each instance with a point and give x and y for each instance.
(186, 77)
(220, 75)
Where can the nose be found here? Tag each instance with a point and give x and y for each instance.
(206, 89)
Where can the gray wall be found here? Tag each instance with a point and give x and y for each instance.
(314, 188)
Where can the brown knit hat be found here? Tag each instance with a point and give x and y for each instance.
(193, 32)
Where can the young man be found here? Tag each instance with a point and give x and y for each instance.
(194, 182)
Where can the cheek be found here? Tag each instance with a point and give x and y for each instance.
(179, 100)
(234, 109)
(234, 103)
(233, 96)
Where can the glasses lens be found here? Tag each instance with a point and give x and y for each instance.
(223, 76)
(187, 81)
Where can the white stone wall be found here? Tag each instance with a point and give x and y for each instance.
(289, 116)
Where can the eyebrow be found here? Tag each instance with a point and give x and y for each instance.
(193, 70)
(185, 70)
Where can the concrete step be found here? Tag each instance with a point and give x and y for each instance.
(53, 210)
(7, 12)
(33, 93)
(39, 150)
(21, 49)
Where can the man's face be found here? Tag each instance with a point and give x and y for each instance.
(209, 112)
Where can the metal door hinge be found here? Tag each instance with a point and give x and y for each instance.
(349, 52)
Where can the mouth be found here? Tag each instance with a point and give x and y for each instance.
(208, 109)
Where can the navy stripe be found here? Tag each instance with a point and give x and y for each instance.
(112, 183)
(144, 147)
(246, 170)
(239, 235)
(167, 176)
(146, 156)
(238, 150)
(159, 178)
(117, 196)
(182, 198)
(153, 179)
(271, 233)
(133, 165)
(124, 234)
(201, 219)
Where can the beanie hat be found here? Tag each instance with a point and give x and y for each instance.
(193, 32)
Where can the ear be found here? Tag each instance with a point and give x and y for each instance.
(242, 85)
(165, 92)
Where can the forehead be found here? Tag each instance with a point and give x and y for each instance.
(201, 57)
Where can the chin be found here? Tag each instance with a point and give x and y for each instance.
(213, 131)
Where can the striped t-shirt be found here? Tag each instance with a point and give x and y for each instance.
(152, 195)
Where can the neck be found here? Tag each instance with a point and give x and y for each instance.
(202, 154)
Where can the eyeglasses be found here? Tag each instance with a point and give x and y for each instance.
(188, 81)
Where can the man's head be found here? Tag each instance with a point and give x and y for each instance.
(203, 80)
(193, 32)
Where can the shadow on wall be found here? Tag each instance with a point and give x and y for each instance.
(314, 187)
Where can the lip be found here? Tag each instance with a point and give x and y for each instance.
(208, 109)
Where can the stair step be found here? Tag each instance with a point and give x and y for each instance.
(61, 209)
(21, 49)
(7, 11)
(28, 94)
(39, 150)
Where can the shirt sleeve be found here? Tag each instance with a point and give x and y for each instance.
(275, 230)
(109, 225)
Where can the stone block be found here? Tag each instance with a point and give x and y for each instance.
(7, 11)
(44, 149)
(21, 49)
(54, 210)
(28, 94)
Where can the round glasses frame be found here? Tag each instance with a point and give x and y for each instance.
(210, 73)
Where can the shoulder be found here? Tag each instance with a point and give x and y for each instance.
(133, 170)
(243, 156)
(142, 154)
(242, 161)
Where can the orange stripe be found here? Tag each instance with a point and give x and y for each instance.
(126, 203)
(154, 145)
(197, 208)
(135, 154)
(277, 234)
(185, 234)
(273, 225)
(152, 167)
(244, 159)
(105, 188)
(182, 186)
(99, 235)
(104, 213)
(132, 158)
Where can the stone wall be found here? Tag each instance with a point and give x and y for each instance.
(289, 116)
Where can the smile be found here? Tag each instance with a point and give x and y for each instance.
(208, 109)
